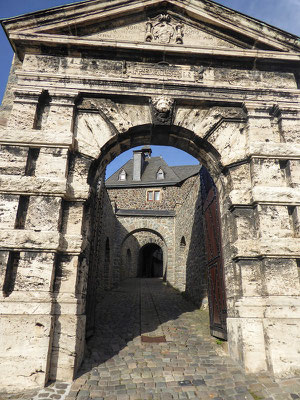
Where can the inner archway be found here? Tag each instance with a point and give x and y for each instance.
(182, 269)
(151, 261)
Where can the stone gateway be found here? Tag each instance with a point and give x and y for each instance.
(93, 79)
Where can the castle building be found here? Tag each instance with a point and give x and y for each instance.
(147, 191)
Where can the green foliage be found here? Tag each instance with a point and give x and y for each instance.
(255, 396)
(219, 342)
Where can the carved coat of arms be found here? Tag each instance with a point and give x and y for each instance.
(163, 30)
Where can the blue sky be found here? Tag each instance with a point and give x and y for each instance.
(285, 14)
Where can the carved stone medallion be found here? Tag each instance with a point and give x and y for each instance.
(162, 110)
(163, 29)
(162, 104)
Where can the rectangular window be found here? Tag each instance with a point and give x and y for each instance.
(153, 195)
(150, 196)
(156, 195)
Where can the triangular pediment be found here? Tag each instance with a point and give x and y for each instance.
(185, 23)
(158, 30)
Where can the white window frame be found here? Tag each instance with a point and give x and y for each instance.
(153, 193)
(160, 174)
(157, 192)
(122, 175)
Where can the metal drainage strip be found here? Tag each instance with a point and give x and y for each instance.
(153, 339)
(185, 383)
(195, 382)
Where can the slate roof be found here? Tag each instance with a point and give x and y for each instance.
(173, 175)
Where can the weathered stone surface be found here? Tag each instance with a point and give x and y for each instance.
(15, 368)
(13, 160)
(68, 346)
(72, 214)
(190, 269)
(36, 137)
(29, 184)
(52, 163)
(43, 213)
(66, 275)
(35, 272)
(8, 98)
(8, 210)
(26, 305)
(29, 239)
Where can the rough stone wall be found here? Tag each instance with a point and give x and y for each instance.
(183, 199)
(8, 98)
(162, 227)
(108, 244)
(136, 198)
(146, 237)
(129, 263)
(134, 242)
(97, 214)
(191, 274)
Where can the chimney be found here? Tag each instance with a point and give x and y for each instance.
(139, 162)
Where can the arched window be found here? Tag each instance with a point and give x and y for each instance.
(160, 174)
(182, 254)
(122, 175)
(182, 243)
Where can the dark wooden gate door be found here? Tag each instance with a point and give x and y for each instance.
(213, 246)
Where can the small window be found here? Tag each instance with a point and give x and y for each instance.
(182, 242)
(160, 174)
(150, 196)
(122, 175)
(153, 195)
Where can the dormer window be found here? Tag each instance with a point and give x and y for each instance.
(160, 174)
(122, 175)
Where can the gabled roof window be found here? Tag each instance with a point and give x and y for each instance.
(122, 175)
(160, 174)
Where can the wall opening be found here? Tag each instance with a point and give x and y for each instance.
(11, 273)
(151, 261)
(129, 260)
(139, 256)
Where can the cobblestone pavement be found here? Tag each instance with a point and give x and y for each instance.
(53, 391)
(189, 365)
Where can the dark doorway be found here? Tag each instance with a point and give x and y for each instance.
(151, 261)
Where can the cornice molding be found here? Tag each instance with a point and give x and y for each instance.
(33, 39)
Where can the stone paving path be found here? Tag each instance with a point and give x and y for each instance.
(53, 391)
(189, 365)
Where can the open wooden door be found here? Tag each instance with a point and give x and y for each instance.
(214, 259)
